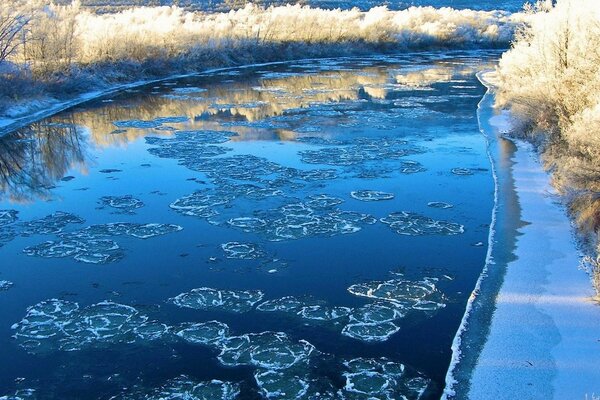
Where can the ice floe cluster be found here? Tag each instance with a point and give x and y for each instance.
(186, 388)
(94, 243)
(383, 379)
(413, 224)
(54, 223)
(362, 150)
(204, 298)
(5, 285)
(62, 325)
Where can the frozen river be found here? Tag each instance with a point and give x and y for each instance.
(303, 230)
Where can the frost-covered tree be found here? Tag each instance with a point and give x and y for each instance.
(551, 79)
(13, 22)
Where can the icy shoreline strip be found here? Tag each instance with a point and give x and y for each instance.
(540, 328)
(451, 381)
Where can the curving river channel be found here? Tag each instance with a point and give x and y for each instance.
(307, 230)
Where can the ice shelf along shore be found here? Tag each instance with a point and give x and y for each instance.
(531, 326)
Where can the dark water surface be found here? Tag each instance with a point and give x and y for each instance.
(359, 186)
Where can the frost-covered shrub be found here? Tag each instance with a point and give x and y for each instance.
(551, 79)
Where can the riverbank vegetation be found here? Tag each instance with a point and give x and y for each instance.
(550, 78)
(57, 51)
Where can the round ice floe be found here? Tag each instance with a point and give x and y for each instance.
(288, 304)
(201, 203)
(242, 251)
(402, 293)
(439, 204)
(269, 350)
(146, 231)
(371, 195)
(184, 388)
(383, 379)
(370, 332)
(407, 223)
(324, 313)
(248, 224)
(281, 384)
(204, 298)
(206, 333)
(461, 171)
(125, 204)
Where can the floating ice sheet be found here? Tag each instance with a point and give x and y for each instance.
(269, 350)
(21, 394)
(62, 325)
(209, 333)
(371, 195)
(363, 150)
(439, 204)
(281, 384)
(373, 322)
(242, 251)
(126, 204)
(396, 298)
(403, 293)
(412, 224)
(237, 301)
(51, 224)
(94, 243)
(381, 378)
(462, 171)
(306, 308)
(185, 388)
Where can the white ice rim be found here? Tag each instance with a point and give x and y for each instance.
(449, 392)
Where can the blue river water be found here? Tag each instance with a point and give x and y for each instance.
(301, 230)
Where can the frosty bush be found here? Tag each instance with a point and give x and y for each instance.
(551, 79)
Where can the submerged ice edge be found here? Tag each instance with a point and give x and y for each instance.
(456, 347)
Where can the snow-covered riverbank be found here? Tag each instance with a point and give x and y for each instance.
(539, 338)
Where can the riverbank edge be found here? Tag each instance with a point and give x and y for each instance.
(494, 353)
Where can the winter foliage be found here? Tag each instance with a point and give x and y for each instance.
(551, 79)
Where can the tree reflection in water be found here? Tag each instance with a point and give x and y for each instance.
(34, 158)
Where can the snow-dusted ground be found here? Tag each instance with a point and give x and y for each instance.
(543, 333)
